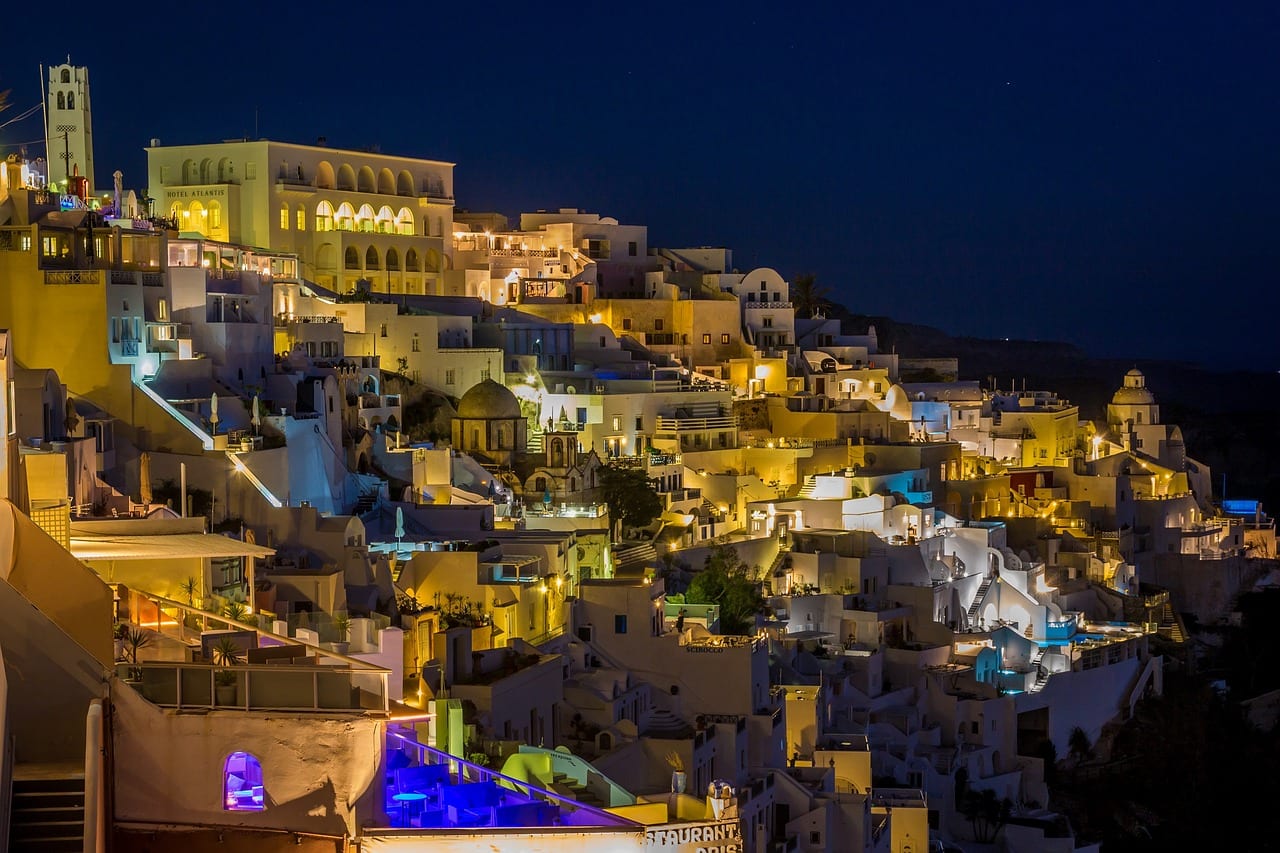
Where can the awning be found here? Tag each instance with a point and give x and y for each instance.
(163, 546)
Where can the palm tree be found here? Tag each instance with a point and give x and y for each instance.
(1079, 746)
(807, 295)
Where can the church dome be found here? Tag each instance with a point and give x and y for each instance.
(1134, 391)
(489, 401)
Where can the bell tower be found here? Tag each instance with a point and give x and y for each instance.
(68, 127)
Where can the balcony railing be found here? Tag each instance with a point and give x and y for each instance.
(258, 687)
(697, 424)
(73, 276)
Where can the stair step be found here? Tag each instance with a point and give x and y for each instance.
(51, 829)
(47, 799)
(43, 814)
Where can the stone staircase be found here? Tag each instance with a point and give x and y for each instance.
(1042, 675)
(47, 813)
(664, 724)
(806, 488)
(576, 790)
(634, 555)
(1170, 625)
(978, 599)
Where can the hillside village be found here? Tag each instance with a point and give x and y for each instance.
(335, 514)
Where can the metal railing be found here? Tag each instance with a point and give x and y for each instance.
(73, 276)
(257, 687)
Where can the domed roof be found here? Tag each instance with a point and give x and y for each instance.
(1134, 391)
(489, 401)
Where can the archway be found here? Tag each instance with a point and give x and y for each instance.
(324, 176)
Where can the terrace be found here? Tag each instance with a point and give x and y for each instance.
(429, 789)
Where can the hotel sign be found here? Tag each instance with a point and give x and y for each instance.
(203, 193)
(710, 837)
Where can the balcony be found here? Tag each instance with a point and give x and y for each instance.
(73, 276)
(293, 688)
(719, 422)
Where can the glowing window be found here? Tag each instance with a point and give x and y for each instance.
(302, 218)
(242, 784)
(324, 216)
(284, 218)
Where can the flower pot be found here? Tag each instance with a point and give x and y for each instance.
(224, 694)
(678, 781)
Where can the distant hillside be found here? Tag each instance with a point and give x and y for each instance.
(1230, 419)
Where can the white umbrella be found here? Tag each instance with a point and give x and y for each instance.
(213, 412)
(144, 477)
(255, 420)
(399, 524)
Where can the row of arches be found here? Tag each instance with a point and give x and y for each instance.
(374, 261)
(207, 172)
(365, 180)
(68, 102)
(197, 216)
(347, 218)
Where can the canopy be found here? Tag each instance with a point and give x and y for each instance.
(163, 546)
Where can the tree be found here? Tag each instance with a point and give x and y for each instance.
(725, 581)
(1079, 745)
(986, 813)
(807, 295)
(633, 501)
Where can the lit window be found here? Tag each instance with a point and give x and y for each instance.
(284, 217)
(724, 339)
(706, 338)
(302, 218)
(449, 377)
(324, 216)
(215, 215)
(242, 783)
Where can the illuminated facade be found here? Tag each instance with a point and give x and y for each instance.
(347, 215)
(69, 129)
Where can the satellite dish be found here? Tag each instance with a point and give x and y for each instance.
(569, 389)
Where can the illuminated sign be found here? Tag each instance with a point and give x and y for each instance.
(711, 837)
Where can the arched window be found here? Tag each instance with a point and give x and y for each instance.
(504, 436)
(302, 217)
(71, 100)
(540, 484)
(557, 453)
(206, 171)
(393, 259)
(198, 220)
(386, 182)
(215, 215)
(411, 260)
(365, 182)
(176, 213)
(345, 219)
(225, 170)
(371, 259)
(324, 175)
(66, 75)
(404, 183)
(284, 217)
(404, 221)
(324, 216)
(386, 222)
(188, 171)
(351, 258)
(242, 784)
(62, 101)
(364, 219)
(346, 177)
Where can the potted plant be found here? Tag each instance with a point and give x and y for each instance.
(342, 627)
(225, 653)
(678, 777)
(135, 639)
(117, 635)
(236, 611)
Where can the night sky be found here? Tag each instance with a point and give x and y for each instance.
(1072, 172)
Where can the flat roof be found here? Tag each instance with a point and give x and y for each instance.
(162, 546)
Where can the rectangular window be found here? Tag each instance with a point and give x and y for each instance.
(724, 339)
(448, 377)
(302, 219)
(626, 324)
(767, 322)
(763, 286)
(417, 346)
(484, 373)
(657, 325)
(284, 219)
(631, 248)
(250, 171)
(777, 297)
(620, 623)
(639, 423)
(706, 338)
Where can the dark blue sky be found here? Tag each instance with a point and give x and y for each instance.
(1078, 172)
